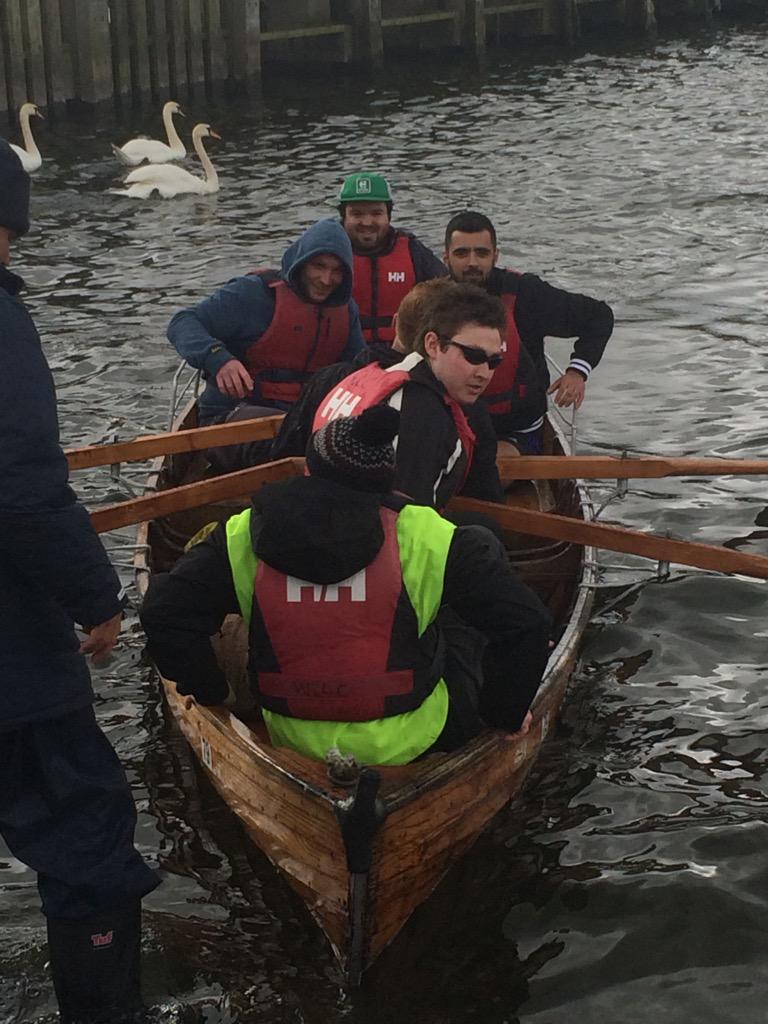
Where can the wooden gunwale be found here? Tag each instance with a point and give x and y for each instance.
(393, 891)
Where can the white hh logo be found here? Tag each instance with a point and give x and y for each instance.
(341, 403)
(100, 939)
(503, 346)
(397, 276)
(355, 584)
(363, 187)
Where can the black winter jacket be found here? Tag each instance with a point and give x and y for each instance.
(322, 532)
(542, 311)
(427, 436)
(54, 571)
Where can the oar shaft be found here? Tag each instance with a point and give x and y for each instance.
(195, 440)
(617, 538)
(204, 492)
(608, 467)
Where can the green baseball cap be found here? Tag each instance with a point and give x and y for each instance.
(365, 187)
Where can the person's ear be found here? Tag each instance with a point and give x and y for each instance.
(431, 344)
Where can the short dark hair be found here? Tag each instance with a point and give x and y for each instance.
(456, 307)
(470, 222)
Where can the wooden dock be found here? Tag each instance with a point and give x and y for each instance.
(94, 51)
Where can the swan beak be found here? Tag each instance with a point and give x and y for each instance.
(215, 135)
(181, 112)
(40, 114)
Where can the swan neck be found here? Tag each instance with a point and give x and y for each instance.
(26, 133)
(211, 176)
(170, 130)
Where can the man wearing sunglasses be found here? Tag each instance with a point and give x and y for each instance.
(535, 310)
(458, 348)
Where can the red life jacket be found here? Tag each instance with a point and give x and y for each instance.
(373, 384)
(381, 282)
(504, 388)
(302, 337)
(341, 671)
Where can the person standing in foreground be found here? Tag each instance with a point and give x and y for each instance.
(389, 261)
(66, 809)
(535, 310)
(375, 626)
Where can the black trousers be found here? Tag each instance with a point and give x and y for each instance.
(463, 676)
(250, 453)
(67, 812)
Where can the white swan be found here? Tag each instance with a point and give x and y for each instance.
(30, 157)
(173, 181)
(137, 150)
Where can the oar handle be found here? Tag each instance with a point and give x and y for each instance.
(194, 440)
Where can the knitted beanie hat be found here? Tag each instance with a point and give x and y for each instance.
(14, 191)
(357, 451)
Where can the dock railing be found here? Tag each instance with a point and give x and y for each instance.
(56, 51)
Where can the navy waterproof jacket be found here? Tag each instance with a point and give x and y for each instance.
(54, 571)
(224, 325)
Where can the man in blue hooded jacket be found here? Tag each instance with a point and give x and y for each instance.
(66, 809)
(260, 337)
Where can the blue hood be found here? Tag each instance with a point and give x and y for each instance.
(325, 236)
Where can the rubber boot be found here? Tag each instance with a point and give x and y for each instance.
(95, 967)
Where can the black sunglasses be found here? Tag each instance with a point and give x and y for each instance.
(476, 356)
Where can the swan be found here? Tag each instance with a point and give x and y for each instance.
(173, 181)
(136, 150)
(30, 157)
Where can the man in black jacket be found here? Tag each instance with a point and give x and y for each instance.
(535, 310)
(375, 626)
(429, 468)
(65, 805)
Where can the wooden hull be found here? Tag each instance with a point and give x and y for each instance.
(428, 813)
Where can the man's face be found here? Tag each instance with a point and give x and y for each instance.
(366, 224)
(321, 276)
(464, 381)
(470, 256)
(6, 237)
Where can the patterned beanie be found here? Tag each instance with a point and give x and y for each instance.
(14, 191)
(357, 451)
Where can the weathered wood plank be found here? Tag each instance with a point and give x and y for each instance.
(120, 35)
(92, 51)
(157, 25)
(195, 62)
(58, 57)
(245, 39)
(140, 71)
(35, 59)
(214, 50)
(14, 54)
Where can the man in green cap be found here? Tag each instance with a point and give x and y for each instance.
(388, 261)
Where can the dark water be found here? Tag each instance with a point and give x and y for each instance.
(630, 881)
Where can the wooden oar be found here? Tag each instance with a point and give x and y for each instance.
(204, 492)
(194, 440)
(609, 467)
(525, 467)
(539, 524)
(617, 538)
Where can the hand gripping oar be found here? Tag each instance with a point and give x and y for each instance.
(609, 467)
(175, 441)
(618, 538)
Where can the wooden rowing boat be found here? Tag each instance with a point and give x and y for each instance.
(363, 858)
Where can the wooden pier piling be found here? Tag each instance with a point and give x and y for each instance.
(55, 51)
